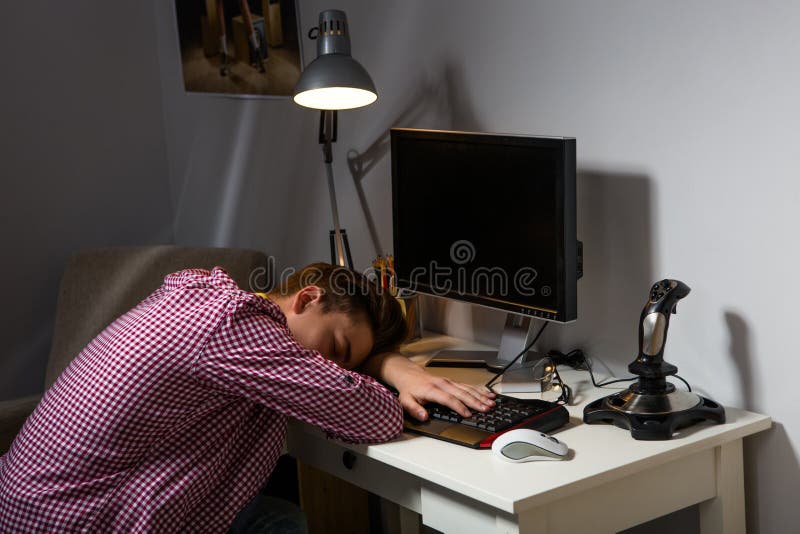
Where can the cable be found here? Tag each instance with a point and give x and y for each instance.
(517, 357)
(578, 360)
(575, 359)
(688, 387)
(566, 392)
(609, 382)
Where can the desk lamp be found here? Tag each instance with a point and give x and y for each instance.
(334, 81)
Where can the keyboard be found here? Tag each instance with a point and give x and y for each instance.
(482, 428)
(508, 412)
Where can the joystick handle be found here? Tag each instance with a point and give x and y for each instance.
(653, 326)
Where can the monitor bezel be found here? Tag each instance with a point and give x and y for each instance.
(566, 213)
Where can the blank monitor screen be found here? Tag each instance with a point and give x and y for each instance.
(486, 218)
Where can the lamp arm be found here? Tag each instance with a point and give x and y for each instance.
(327, 136)
(328, 130)
(337, 229)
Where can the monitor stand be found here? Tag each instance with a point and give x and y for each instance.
(517, 333)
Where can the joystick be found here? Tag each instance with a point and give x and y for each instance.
(651, 407)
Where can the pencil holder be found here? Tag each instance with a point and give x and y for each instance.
(410, 306)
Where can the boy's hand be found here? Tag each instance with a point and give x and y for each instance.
(416, 387)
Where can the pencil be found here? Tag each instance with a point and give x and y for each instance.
(382, 262)
(392, 281)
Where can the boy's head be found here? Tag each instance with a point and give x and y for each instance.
(340, 313)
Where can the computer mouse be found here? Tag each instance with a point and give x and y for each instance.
(526, 445)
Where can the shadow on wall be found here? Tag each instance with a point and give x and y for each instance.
(615, 223)
(771, 469)
(741, 354)
(440, 96)
(771, 464)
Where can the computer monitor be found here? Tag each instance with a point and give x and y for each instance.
(488, 219)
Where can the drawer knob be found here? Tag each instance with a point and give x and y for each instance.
(348, 459)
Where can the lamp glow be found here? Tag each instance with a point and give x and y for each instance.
(335, 98)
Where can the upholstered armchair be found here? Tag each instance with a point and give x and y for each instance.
(99, 285)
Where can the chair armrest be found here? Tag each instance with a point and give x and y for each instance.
(12, 416)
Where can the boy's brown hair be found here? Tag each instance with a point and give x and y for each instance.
(354, 294)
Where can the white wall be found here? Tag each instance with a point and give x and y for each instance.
(686, 116)
(82, 158)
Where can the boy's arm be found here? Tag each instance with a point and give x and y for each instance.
(416, 386)
(252, 357)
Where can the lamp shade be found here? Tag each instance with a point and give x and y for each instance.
(334, 80)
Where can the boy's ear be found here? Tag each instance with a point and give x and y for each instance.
(306, 297)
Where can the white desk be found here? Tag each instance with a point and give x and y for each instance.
(612, 482)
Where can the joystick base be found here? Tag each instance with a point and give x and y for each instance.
(653, 416)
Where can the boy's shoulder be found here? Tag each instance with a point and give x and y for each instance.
(217, 278)
(199, 278)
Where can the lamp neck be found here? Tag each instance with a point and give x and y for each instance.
(334, 35)
(328, 129)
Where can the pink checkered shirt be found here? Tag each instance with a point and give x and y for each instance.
(172, 418)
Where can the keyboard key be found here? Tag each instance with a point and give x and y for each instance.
(507, 412)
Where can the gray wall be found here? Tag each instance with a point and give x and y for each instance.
(686, 117)
(242, 172)
(82, 153)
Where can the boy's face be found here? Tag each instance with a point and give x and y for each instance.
(334, 334)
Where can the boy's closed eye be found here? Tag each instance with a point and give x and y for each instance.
(345, 351)
(341, 350)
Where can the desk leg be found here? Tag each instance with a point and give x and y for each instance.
(409, 521)
(724, 514)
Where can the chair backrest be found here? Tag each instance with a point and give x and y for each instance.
(99, 285)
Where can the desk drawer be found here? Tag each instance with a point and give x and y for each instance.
(354, 467)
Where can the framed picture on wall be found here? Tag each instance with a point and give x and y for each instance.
(249, 48)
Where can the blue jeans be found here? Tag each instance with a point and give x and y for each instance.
(268, 515)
